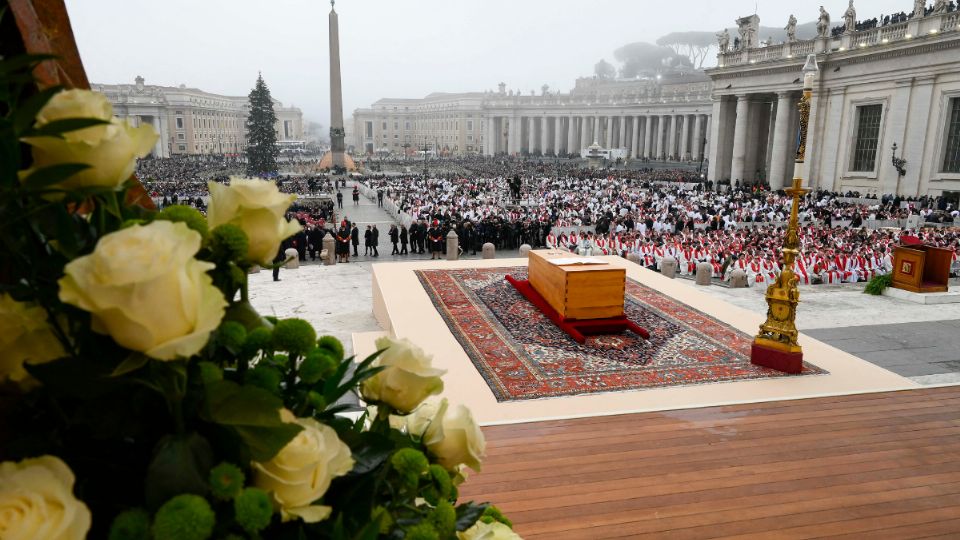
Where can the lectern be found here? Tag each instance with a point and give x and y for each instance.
(921, 268)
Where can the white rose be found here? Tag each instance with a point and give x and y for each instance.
(25, 337)
(302, 471)
(144, 288)
(111, 149)
(488, 531)
(257, 207)
(37, 502)
(416, 422)
(454, 437)
(408, 378)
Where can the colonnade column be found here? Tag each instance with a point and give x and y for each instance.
(609, 132)
(685, 138)
(572, 138)
(781, 138)
(658, 143)
(514, 135)
(738, 162)
(621, 139)
(584, 132)
(697, 137)
(544, 133)
(648, 146)
(635, 138)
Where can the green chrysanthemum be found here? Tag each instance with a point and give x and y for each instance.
(228, 242)
(264, 376)
(184, 517)
(295, 336)
(130, 525)
(253, 509)
(409, 462)
(492, 513)
(232, 335)
(422, 531)
(187, 215)
(257, 340)
(444, 518)
(333, 345)
(226, 481)
(318, 364)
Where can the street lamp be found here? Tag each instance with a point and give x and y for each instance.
(899, 164)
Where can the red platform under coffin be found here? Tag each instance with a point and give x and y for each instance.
(577, 329)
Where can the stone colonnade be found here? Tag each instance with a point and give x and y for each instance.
(673, 136)
(754, 138)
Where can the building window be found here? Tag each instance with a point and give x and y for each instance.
(868, 137)
(182, 147)
(384, 126)
(179, 136)
(179, 123)
(469, 125)
(951, 160)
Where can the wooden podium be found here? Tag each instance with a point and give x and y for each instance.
(577, 291)
(921, 268)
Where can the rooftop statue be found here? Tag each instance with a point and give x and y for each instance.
(850, 18)
(823, 24)
(791, 29)
(940, 6)
(723, 40)
(919, 8)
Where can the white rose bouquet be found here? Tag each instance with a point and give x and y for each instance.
(143, 398)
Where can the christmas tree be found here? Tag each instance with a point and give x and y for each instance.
(261, 138)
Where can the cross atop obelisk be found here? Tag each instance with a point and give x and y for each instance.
(336, 95)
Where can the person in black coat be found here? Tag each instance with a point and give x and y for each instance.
(342, 237)
(367, 242)
(404, 236)
(435, 239)
(394, 235)
(355, 239)
(281, 257)
(339, 200)
(375, 240)
(315, 240)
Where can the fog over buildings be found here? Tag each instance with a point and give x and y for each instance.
(390, 48)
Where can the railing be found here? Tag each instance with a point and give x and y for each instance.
(950, 22)
(893, 32)
(931, 24)
(866, 37)
(802, 48)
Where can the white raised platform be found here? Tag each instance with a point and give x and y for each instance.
(952, 296)
(403, 308)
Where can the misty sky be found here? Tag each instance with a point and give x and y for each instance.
(391, 48)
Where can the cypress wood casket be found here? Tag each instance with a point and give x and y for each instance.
(577, 291)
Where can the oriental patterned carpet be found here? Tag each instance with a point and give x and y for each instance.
(522, 355)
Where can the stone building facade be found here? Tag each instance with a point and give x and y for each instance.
(880, 83)
(653, 118)
(192, 121)
(889, 84)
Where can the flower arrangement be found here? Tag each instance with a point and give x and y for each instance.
(142, 396)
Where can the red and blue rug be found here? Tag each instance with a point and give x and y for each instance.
(522, 355)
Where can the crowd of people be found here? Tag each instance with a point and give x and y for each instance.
(651, 213)
(657, 213)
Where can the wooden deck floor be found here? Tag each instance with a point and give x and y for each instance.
(868, 466)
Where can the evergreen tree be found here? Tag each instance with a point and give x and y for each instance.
(262, 148)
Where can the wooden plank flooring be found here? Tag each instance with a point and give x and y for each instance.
(881, 465)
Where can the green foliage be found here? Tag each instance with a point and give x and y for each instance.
(264, 376)
(410, 462)
(444, 519)
(253, 509)
(184, 517)
(878, 283)
(262, 148)
(187, 215)
(130, 525)
(259, 339)
(226, 481)
(232, 335)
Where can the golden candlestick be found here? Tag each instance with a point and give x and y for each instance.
(776, 345)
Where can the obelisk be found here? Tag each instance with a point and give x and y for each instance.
(336, 95)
